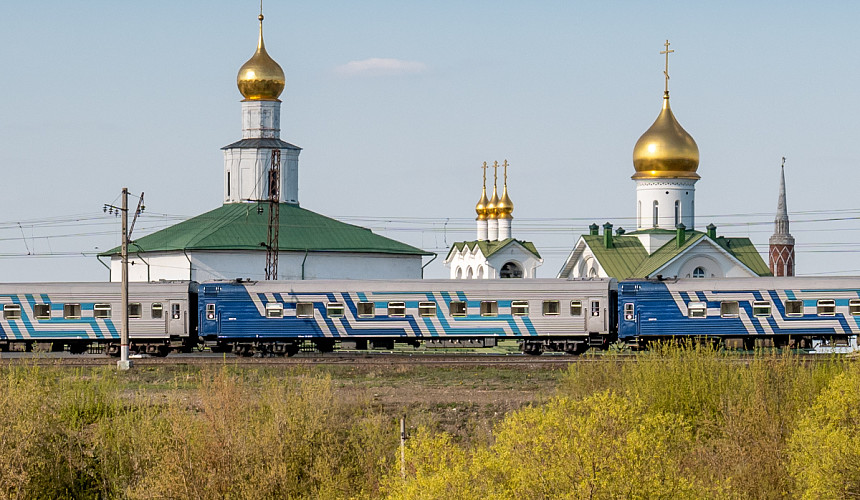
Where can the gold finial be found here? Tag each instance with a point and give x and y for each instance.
(260, 17)
(261, 78)
(484, 168)
(481, 207)
(505, 164)
(495, 173)
(505, 207)
(492, 212)
(666, 71)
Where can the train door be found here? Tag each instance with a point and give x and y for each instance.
(597, 315)
(177, 318)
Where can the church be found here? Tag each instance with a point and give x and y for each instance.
(230, 241)
(665, 242)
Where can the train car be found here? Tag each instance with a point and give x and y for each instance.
(742, 312)
(162, 316)
(279, 316)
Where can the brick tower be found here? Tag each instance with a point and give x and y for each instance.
(781, 242)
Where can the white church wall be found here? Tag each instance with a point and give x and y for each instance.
(665, 192)
(715, 262)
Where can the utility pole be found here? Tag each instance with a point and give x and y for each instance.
(124, 363)
(274, 216)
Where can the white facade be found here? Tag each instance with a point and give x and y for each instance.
(247, 162)
(513, 260)
(664, 203)
(210, 265)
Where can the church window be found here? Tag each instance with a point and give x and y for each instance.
(699, 272)
(697, 310)
(228, 184)
(511, 270)
(677, 212)
(794, 308)
(304, 309)
(576, 308)
(550, 308)
(520, 307)
(592, 273)
(397, 309)
(761, 308)
(334, 310)
(427, 309)
(457, 308)
(274, 310)
(480, 274)
(729, 309)
(489, 308)
(365, 309)
(826, 307)
(469, 274)
(639, 213)
(459, 273)
(854, 307)
(656, 213)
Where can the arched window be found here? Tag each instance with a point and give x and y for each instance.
(511, 270)
(656, 214)
(459, 273)
(639, 214)
(480, 272)
(677, 212)
(469, 273)
(699, 272)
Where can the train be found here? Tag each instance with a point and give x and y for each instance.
(543, 315)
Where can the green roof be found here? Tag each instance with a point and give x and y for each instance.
(629, 259)
(239, 226)
(490, 247)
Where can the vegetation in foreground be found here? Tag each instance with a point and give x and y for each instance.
(685, 423)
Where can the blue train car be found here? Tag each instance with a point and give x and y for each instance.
(778, 312)
(162, 316)
(278, 316)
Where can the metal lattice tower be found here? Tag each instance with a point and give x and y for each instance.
(274, 216)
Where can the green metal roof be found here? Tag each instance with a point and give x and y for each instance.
(239, 226)
(629, 259)
(490, 247)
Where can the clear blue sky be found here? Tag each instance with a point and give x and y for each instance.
(101, 95)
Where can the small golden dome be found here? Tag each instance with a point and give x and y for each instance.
(492, 210)
(261, 78)
(481, 207)
(666, 150)
(505, 207)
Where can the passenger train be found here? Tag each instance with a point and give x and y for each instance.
(570, 316)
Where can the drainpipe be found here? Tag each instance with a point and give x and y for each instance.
(190, 265)
(148, 275)
(102, 263)
(303, 264)
(427, 264)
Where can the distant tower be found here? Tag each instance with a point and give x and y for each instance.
(504, 209)
(666, 159)
(481, 208)
(782, 242)
(247, 162)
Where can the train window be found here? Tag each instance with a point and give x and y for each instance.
(71, 311)
(520, 307)
(175, 313)
(457, 308)
(366, 309)
(42, 311)
(729, 309)
(489, 308)
(854, 307)
(397, 309)
(595, 308)
(761, 308)
(427, 309)
(304, 309)
(551, 308)
(157, 310)
(274, 310)
(134, 310)
(826, 307)
(628, 311)
(576, 308)
(101, 310)
(12, 311)
(334, 310)
(794, 308)
(210, 311)
(697, 310)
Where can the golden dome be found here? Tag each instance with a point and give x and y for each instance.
(261, 78)
(492, 211)
(505, 207)
(666, 150)
(481, 207)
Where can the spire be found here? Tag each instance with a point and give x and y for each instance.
(781, 251)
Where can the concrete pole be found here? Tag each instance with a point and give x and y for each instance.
(403, 447)
(124, 363)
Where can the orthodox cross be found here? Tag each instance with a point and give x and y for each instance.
(666, 71)
(495, 172)
(505, 164)
(484, 168)
(783, 162)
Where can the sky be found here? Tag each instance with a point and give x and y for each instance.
(396, 105)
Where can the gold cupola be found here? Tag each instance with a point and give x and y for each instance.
(505, 207)
(481, 207)
(666, 150)
(261, 78)
(492, 211)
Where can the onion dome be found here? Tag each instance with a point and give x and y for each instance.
(261, 78)
(492, 205)
(481, 207)
(505, 207)
(666, 150)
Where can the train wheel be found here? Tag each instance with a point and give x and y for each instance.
(532, 348)
(324, 345)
